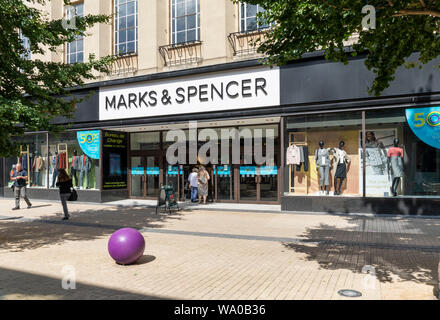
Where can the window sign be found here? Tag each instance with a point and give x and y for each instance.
(137, 171)
(269, 171)
(425, 123)
(89, 143)
(248, 171)
(153, 171)
(173, 171)
(223, 170)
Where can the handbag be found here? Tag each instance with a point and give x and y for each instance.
(73, 195)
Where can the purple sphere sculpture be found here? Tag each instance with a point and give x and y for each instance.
(126, 245)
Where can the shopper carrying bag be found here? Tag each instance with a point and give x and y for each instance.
(66, 190)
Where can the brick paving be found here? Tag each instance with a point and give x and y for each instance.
(216, 254)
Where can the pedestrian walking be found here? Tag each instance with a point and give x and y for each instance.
(20, 178)
(65, 184)
(193, 183)
(202, 188)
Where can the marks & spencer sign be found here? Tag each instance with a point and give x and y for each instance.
(229, 91)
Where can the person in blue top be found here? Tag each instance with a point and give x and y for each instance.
(20, 178)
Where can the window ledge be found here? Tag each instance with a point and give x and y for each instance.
(127, 63)
(181, 53)
(242, 42)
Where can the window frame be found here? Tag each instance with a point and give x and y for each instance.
(26, 45)
(173, 22)
(68, 53)
(243, 18)
(116, 30)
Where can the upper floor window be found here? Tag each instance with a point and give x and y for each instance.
(248, 17)
(75, 49)
(185, 24)
(126, 27)
(27, 47)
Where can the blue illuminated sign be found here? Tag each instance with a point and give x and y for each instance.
(248, 171)
(269, 170)
(223, 170)
(173, 171)
(425, 123)
(153, 171)
(137, 171)
(89, 143)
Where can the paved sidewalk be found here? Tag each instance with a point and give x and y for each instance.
(198, 254)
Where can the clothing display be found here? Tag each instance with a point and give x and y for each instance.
(395, 154)
(341, 170)
(75, 167)
(324, 172)
(322, 157)
(37, 167)
(293, 155)
(396, 167)
(38, 163)
(62, 161)
(304, 158)
(85, 166)
(340, 160)
(24, 162)
(396, 161)
(55, 162)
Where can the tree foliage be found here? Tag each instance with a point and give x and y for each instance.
(402, 28)
(33, 92)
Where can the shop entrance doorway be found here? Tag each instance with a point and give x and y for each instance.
(145, 176)
(258, 183)
(229, 182)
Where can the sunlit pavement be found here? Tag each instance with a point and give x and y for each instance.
(208, 254)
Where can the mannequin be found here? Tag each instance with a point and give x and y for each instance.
(85, 165)
(395, 162)
(37, 166)
(75, 167)
(55, 160)
(322, 159)
(340, 162)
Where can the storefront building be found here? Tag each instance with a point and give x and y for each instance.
(120, 141)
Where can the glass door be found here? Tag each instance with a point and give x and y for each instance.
(152, 176)
(268, 183)
(145, 176)
(248, 183)
(259, 183)
(224, 182)
(137, 177)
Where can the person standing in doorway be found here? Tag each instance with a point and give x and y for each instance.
(65, 184)
(193, 183)
(203, 178)
(20, 177)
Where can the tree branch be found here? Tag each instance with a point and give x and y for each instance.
(421, 12)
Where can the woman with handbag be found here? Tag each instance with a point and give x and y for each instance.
(202, 188)
(65, 184)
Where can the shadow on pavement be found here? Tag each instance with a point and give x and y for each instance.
(145, 259)
(83, 225)
(409, 249)
(33, 286)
